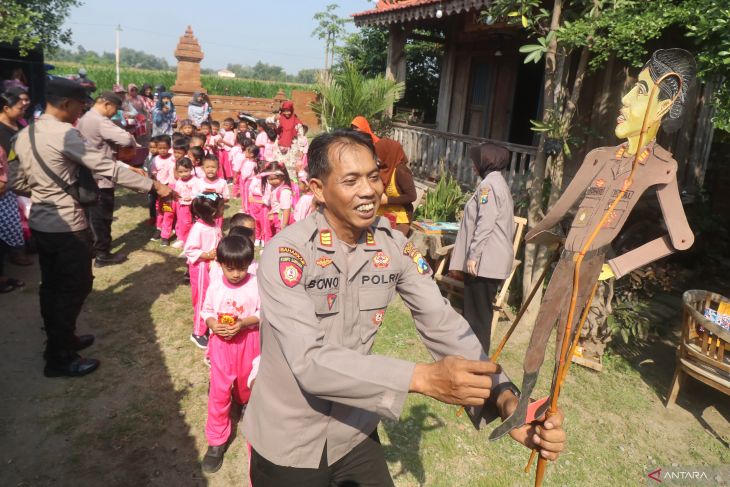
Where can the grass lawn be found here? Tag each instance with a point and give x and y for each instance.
(140, 419)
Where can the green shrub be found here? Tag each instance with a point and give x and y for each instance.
(444, 202)
(105, 75)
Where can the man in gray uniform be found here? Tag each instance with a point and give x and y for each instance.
(101, 133)
(58, 220)
(325, 284)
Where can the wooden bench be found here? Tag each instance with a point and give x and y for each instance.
(701, 353)
(454, 288)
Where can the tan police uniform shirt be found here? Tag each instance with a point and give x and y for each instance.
(63, 150)
(599, 180)
(100, 133)
(487, 230)
(320, 311)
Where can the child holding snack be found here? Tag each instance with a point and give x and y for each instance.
(231, 312)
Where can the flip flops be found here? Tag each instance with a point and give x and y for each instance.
(11, 284)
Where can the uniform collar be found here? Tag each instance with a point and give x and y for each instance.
(625, 161)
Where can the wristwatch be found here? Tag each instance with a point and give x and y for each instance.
(499, 388)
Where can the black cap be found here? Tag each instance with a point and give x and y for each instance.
(66, 88)
(111, 97)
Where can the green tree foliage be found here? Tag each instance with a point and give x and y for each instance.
(33, 23)
(347, 93)
(368, 50)
(127, 57)
(330, 27)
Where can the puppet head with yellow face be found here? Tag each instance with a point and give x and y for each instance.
(666, 106)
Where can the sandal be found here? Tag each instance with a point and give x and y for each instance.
(10, 285)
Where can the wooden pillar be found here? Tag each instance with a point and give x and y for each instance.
(446, 83)
(395, 68)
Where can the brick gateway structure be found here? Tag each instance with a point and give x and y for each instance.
(189, 55)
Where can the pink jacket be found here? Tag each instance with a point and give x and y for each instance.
(202, 238)
(303, 207)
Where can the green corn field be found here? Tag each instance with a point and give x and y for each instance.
(104, 76)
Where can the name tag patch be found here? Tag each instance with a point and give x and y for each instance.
(324, 283)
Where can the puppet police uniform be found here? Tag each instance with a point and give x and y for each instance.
(319, 394)
(599, 180)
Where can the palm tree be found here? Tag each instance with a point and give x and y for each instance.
(348, 93)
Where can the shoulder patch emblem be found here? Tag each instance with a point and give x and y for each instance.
(325, 238)
(484, 196)
(421, 265)
(381, 261)
(323, 261)
(291, 264)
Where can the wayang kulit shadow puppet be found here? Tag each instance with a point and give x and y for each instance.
(606, 188)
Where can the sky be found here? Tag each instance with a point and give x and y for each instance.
(242, 32)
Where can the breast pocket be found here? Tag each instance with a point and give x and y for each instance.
(373, 303)
(326, 303)
(585, 212)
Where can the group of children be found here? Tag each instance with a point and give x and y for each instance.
(206, 168)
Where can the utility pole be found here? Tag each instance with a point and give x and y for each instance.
(116, 52)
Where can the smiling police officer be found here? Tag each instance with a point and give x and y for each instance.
(325, 284)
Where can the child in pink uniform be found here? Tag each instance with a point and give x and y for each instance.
(225, 144)
(243, 225)
(248, 170)
(200, 249)
(185, 188)
(236, 155)
(196, 155)
(211, 183)
(278, 199)
(304, 205)
(162, 169)
(231, 312)
(256, 207)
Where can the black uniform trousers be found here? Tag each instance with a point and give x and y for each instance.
(101, 216)
(479, 293)
(363, 466)
(66, 281)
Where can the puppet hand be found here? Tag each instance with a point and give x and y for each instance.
(547, 436)
(606, 273)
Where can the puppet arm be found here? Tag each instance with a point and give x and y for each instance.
(540, 233)
(680, 234)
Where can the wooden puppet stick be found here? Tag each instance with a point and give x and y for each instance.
(561, 378)
(542, 462)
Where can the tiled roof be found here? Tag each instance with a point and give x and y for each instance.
(399, 11)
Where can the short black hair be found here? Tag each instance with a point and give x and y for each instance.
(215, 123)
(204, 124)
(242, 232)
(198, 153)
(185, 163)
(165, 139)
(181, 144)
(211, 157)
(239, 219)
(319, 164)
(235, 251)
